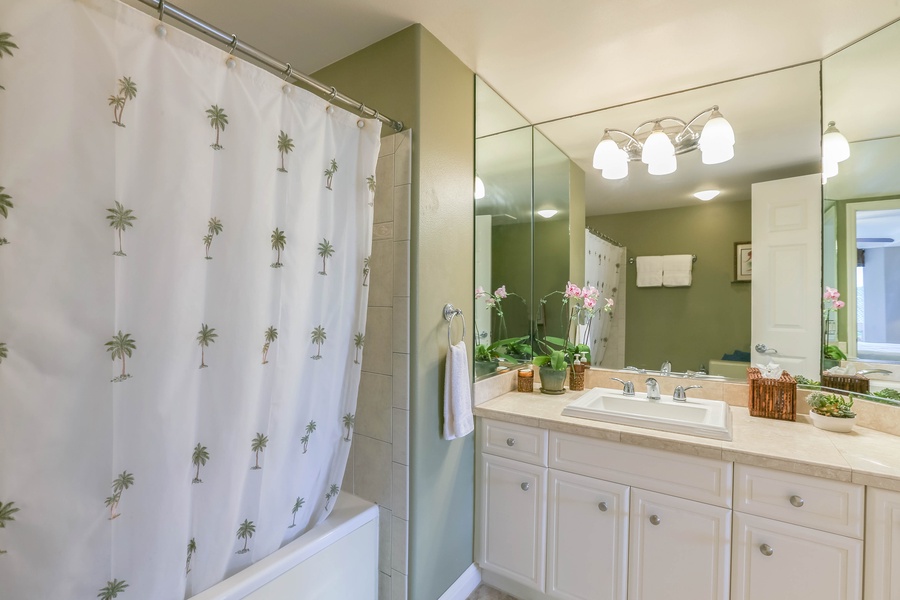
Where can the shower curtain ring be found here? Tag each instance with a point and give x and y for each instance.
(333, 94)
(377, 116)
(233, 45)
(288, 72)
(362, 109)
(162, 9)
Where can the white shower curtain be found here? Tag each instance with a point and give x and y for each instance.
(183, 240)
(602, 261)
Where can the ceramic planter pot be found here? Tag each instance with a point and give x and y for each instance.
(832, 423)
(552, 381)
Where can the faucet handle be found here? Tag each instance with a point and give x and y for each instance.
(679, 394)
(628, 386)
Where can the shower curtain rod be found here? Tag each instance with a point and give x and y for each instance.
(234, 44)
(603, 236)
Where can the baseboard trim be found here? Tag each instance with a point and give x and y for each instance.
(463, 587)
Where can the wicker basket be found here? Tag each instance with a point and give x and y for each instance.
(851, 383)
(772, 398)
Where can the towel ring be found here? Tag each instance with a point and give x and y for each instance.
(449, 314)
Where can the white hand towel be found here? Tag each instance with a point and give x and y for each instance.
(677, 270)
(458, 420)
(649, 271)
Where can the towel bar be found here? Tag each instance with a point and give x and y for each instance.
(449, 314)
(693, 259)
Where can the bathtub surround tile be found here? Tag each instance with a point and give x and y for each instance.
(398, 586)
(384, 189)
(399, 495)
(399, 545)
(376, 354)
(403, 161)
(384, 540)
(383, 231)
(401, 269)
(400, 370)
(372, 470)
(400, 433)
(401, 211)
(373, 408)
(381, 277)
(384, 586)
(401, 324)
(347, 483)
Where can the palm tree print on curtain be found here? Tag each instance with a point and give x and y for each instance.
(6, 47)
(278, 241)
(329, 173)
(370, 181)
(349, 421)
(366, 271)
(245, 532)
(206, 336)
(332, 493)
(258, 445)
(120, 346)
(310, 428)
(6, 515)
(5, 205)
(271, 335)
(119, 218)
(191, 550)
(326, 251)
(127, 91)
(214, 228)
(318, 338)
(3, 351)
(217, 120)
(119, 485)
(112, 590)
(199, 458)
(285, 146)
(297, 506)
(359, 340)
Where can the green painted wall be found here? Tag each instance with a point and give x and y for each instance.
(687, 326)
(511, 266)
(413, 77)
(576, 224)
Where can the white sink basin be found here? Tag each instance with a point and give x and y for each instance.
(703, 418)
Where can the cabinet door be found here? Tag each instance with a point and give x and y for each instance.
(587, 538)
(679, 549)
(513, 519)
(779, 560)
(883, 545)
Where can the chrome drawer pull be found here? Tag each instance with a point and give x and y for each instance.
(655, 520)
(602, 506)
(525, 486)
(510, 442)
(797, 501)
(766, 550)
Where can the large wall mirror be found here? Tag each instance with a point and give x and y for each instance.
(861, 255)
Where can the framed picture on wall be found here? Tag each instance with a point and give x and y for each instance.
(743, 261)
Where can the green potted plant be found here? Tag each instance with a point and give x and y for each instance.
(487, 356)
(553, 368)
(831, 412)
(831, 303)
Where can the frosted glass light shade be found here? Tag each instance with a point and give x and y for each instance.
(715, 155)
(658, 147)
(835, 147)
(663, 167)
(706, 195)
(479, 188)
(717, 132)
(618, 168)
(547, 213)
(606, 152)
(829, 169)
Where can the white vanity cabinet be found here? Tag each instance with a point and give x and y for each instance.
(882, 545)
(680, 549)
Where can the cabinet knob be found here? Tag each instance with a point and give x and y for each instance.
(510, 441)
(766, 550)
(797, 501)
(525, 486)
(655, 520)
(602, 506)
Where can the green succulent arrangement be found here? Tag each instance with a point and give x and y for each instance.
(831, 405)
(888, 393)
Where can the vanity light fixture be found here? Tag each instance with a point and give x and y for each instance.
(547, 213)
(479, 188)
(706, 195)
(656, 143)
(835, 149)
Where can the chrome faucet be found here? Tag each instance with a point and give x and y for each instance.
(666, 368)
(679, 394)
(629, 387)
(652, 389)
(870, 371)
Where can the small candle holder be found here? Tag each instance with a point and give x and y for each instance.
(525, 380)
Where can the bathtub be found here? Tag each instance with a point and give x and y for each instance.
(336, 560)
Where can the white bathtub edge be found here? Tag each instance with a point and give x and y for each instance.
(349, 514)
(464, 585)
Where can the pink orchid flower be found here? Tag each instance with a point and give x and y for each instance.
(480, 293)
(590, 302)
(490, 301)
(591, 292)
(610, 303)
(838, 304)
(501, 292)
(831, 294)
(572, 290)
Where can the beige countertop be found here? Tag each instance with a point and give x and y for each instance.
(863, 456)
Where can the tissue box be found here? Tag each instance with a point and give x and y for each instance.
(772, 398)
(851, 383)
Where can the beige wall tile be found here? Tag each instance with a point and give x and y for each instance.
(400, 433)
(376, 353)
(401, 380)
(403, 161)
(401, 211)
(381, 277)
(400, 321)
(400, 492)
(388, 144)
(399, 544)
(384, 540)
(384, 586)
(347, 483)
(398, 586)
(384, 189)
(401, 268)
(372, 470)
(373, 408)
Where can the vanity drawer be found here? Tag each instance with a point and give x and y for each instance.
(518, 442)
(823, 504)
(691, 477)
